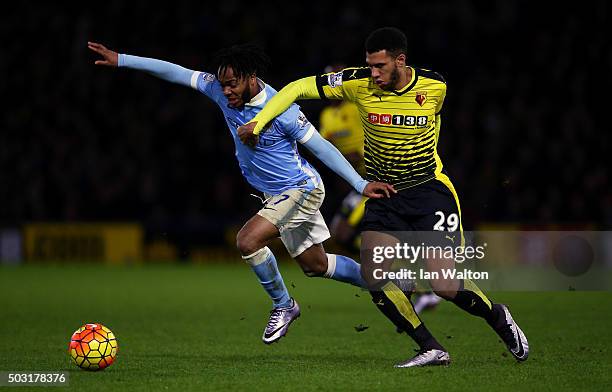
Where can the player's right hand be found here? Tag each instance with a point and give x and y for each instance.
(246, 135)
(378, 190)
(111, 59)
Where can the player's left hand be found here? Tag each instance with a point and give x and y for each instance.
(378, 190)
(246, 135)
(110, 57)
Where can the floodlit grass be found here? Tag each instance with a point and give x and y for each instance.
(184, 327)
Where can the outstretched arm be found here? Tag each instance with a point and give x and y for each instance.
(333, 159)
(162, 69)
(305, 88)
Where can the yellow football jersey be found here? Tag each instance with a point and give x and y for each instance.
(400, 127)
(340, 124)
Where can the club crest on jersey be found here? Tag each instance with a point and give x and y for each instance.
(334, 79)
(421, 97)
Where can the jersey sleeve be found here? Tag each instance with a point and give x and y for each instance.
(207, 84)
(332, 158)
(305, 88)
(341, 85)
(204, 82)
(295, 124)
(159, 68)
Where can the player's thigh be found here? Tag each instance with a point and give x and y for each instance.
(301, 238)
(376, 254)
(381, 226)
(256, 233)
(438, 209)
(439, 228)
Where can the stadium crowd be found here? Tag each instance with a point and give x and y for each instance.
(523, 134)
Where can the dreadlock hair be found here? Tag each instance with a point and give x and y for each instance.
(387, 38)
(245, 60)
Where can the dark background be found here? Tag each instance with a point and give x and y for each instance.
(523, 135)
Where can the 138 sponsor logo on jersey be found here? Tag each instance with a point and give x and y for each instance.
(397, 120)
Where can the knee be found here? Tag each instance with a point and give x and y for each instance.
(316, 267)
(247, 243)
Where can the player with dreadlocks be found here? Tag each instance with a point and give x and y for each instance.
(292, 188)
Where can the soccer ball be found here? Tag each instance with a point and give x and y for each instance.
(93, 347)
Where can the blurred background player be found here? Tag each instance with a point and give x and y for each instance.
(292, 188)
(400, 108)
(339, 122)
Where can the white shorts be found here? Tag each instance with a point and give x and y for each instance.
(296, 214)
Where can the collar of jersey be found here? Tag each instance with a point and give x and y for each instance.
(410, 84)
(260, 97)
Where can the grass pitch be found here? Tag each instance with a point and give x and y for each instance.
(184, 327)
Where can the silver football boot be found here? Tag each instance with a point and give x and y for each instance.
(280, 319)
(511, 334)
(432, 357)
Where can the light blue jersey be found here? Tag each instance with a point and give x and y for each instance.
(274, 165)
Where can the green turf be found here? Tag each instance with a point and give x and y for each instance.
(199, 328)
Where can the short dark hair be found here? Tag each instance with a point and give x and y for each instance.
(391, 39)
(244, 59)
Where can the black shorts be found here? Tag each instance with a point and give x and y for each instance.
(430, 206)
